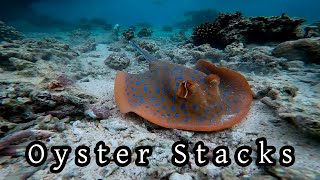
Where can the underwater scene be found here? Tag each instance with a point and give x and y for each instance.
(160, 89)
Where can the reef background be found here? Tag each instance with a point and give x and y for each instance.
(58, 63)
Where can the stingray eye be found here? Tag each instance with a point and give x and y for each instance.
(188, 84)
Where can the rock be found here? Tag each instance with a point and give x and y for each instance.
(98, 111)
(269, 102)
(228, 174)
(113, 125)
(306, 50)
(177, 176)
(50, 123)
(117, 61)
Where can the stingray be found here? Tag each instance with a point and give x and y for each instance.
(205, 98)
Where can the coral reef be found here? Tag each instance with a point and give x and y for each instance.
(307, 50)
(9, 33)
(117, 61)
(145, 32)
(229, 28)
(128, 34)
(22, 55)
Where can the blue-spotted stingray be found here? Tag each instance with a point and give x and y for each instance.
(205, 98)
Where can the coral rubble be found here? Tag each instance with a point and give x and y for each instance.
(9, 33)
(229, 28)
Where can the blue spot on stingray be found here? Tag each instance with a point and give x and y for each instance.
(137, 83)
(173, 108)
(222, 108)
(147, 106)
(173, 100)
(141, 99)
(207, 111)
(164, 107)
(177, 84)
(194, 107)
(183, 106)
(169, 115)
(186, 119)
(157, 91)
(215, 105)
(158, 111)
(134, 95)
(145, 88)
(176, 115)
(235, 101)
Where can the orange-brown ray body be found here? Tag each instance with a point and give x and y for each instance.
(206, 98)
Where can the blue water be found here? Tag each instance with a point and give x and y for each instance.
(161, 12)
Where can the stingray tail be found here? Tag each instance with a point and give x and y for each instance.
(144, 53)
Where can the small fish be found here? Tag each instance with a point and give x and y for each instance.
(206, 98)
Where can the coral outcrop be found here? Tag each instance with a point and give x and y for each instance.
(145, 32)
(128, 34)
(307, 50)
(117, 61)
(229, 28)
(9, 33)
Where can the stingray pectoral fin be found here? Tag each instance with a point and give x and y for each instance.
(119, 92)
(235, 88)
